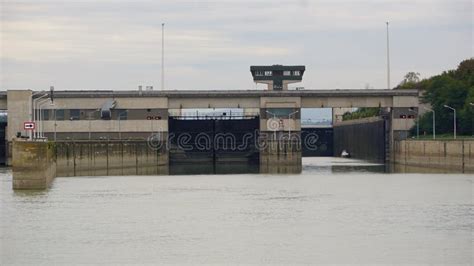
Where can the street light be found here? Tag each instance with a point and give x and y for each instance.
(30, 102)
(289, 126)
(417, 122)
(40, 126)
(434, 121)
(37, 106)
(120, 118)
(472, 104)
(34, 112)
(274, 118)
(454, 123)
(89, 117)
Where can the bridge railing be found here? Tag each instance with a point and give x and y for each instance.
(212, 116)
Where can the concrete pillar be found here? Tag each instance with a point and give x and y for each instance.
(19, 104)
(34, 164)
(280, 137)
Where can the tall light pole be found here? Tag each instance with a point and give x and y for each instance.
(274, 118)
(472, 104)
(388, 59)
(119, 119)
(454, 122)
(417, 122)
(31, 115)
(89, 117)
(162, 56)
(289, 126)
(40, 121)
(35, 114)
(434, 121)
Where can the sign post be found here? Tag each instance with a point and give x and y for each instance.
(30, 126)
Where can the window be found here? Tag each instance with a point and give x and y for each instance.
(45, 114)
(297, 73)
(277, 87)
(268, 73)
(123, 114)
(74, 114)
(286, 73)
(258, 73)
(281, 112)
(59, 114)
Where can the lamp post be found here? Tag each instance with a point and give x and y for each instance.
(289, 126)
(33, 133)
(119, 119)
(162, 56)
(472, 104)
(274, 118)
(434, 121)
(388, 60)
(417, 122)
(40, 103)
(454, 122)
(30, 134)
(89, 117)
(39, 117)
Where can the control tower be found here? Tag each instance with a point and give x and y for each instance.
(277, 77)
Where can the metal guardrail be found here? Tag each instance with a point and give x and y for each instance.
(210, 116)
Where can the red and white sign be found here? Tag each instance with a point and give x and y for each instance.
(29, 125)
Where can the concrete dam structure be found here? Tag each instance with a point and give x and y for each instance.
(268, 121)
(149, 132)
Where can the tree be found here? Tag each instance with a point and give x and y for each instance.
(454, 88)
(411, 77)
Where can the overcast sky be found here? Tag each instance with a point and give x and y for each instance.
(211, 44)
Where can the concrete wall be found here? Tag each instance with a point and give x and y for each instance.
(447, 155)
(19, 102)
(106, 126)
(34, 164)
(3, 103)
(99, 158)
(362, 138)
(280, 156)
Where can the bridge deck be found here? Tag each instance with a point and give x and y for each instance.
(231, 93)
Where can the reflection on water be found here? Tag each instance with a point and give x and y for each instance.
(337, 211)
(330, 165)
(213, 168)
(311, 164)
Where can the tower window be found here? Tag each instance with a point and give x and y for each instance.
(268, 73)
(258, 73)
(297, 73)
(286, 73)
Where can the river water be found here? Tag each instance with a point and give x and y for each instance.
(336, 211)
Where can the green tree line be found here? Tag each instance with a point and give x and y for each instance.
(454, 88)
(361, 113)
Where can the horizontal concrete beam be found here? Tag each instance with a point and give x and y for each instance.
(233, 93)
(107, 126)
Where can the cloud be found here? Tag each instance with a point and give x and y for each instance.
(341, 42)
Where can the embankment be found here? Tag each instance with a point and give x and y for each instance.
(446, 155)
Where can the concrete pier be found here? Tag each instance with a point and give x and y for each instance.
(34, 164)
(281, 156)
(102, 158)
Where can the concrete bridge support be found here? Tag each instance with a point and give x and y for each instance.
(280, 135)
(34, 164)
